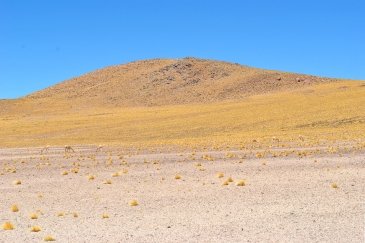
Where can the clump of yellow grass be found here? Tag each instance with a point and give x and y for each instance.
(14, 208)
(107, 182)
(133, 203)
(240, 183)
(334, 185)
(35, 228)
(49, 238)
(8, 226)
(17, 182)
(33, 216)
(116, 174)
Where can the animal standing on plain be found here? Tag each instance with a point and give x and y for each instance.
(68, 148)
(45, 149)
(99, 148)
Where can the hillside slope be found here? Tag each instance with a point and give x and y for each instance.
(324, 112)
(186, 101)
(169, 82)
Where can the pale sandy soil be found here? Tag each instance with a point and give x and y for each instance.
(287, 199)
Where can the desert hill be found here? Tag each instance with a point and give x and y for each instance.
(187, 102)
(169, 82)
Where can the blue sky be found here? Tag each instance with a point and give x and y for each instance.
(46, 42)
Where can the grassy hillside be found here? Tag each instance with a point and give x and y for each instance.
(329, 111)
(167, 82)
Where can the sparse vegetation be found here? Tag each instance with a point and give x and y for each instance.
(107, 182)
(133, 203)
(14, 208)
(240, 183)
(49, 238)
(8, 226)
(33, 216)
(35, 229)
(334, 185)
(17, 182)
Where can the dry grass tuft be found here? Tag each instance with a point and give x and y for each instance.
(75, 170)
(8, 226)
(33, 216)
(177, 177)
(104, 216)
(14, 208)
(334, 185)
(219, 175)
(49, 238)
(230, 155)
(133, 203)
(17, 182)
(107, 182)
(240, 183)
(116, 174)
(35, 229)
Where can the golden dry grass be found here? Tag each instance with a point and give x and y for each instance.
(49, 238)
(240, 183)
(14, 208)
(330, 111)
(33, 216)
(334, 185)
(8, 226)
(35, 228)
(17, 182)
(133, 203)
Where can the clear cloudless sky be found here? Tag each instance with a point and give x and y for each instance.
(43, 42)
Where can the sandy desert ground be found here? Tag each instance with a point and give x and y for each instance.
(288, 198)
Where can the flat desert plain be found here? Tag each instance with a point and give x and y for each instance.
(232, 195)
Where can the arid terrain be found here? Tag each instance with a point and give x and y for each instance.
(318, 195)
(160, 102)
(185, 150)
